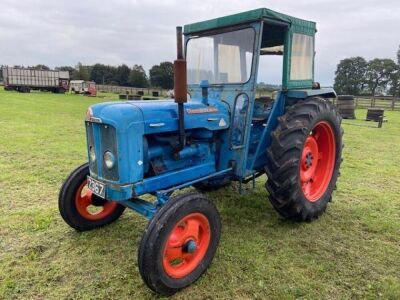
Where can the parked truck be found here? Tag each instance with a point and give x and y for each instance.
(26, 79)
(83, 87)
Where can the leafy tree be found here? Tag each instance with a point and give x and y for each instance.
(395, 78)
(395, 82)
(379, 73)
(138, 77)
(122, 75)
(398, 56)
(350, 75)
(1, 73)
(41, 67)
(103, 74)
(162, 75)
(82, 72)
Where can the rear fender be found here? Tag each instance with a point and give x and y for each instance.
(303, 94)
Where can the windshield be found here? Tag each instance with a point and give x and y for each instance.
(220, 58)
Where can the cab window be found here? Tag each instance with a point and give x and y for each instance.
(301, 65)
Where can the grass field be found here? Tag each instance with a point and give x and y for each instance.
(353, 251)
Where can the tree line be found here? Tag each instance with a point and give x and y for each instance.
(160, 76)
(357, 76)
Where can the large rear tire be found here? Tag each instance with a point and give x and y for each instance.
(304, 159)
(81, 209)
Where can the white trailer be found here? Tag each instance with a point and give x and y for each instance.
(25, 79)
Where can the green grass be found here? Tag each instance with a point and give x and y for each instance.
(353, 251)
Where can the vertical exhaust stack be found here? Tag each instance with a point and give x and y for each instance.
(180, 83)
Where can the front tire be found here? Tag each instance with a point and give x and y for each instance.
(81, 209)
(304, 159)
(179, 243)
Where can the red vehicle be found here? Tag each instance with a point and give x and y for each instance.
(83, 87)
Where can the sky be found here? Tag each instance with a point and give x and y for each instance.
(65, 32)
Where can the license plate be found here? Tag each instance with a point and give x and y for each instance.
(96, 187)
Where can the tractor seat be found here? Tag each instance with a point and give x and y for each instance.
(262, 108)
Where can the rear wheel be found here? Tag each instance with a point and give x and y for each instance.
(80, 208)
(179, 243)
(304, 159)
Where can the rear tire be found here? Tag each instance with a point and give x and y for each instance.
(179, 243)
(304, 159)
(75, 204)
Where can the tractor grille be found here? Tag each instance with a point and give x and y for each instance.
(105, 136)
(90, 143)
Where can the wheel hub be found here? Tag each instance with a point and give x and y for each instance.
(309, 163)
(317, 161)
(97, 201)
(186, 245)
(85, 200)
(308, 160)
(190, 246)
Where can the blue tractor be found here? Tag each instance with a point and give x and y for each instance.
(215, 131)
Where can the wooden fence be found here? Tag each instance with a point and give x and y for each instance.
(129, 90)
(387, 103)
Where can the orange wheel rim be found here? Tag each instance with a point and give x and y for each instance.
(317, 161)
(186, 245)
(84, 205)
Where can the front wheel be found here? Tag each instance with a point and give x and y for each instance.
(80, 208)
(304, 159)
(179, 243)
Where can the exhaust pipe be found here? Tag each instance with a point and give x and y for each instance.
(180, 83)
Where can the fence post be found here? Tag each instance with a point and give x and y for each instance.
(393, 102)
(356, 103)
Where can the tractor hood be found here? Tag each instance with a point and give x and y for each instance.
(161, 115)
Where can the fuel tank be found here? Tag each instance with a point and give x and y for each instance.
(162, 116)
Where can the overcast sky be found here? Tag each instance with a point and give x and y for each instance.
(61, 32)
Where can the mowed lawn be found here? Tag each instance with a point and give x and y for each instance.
(353, 251)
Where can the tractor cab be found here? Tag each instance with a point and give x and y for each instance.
(226, 52)
(223, 133)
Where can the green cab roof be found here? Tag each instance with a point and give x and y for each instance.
(298, 25)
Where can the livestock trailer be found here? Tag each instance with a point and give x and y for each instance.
(26, 79)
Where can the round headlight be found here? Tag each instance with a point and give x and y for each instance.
(92, 154)
(109, 159)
